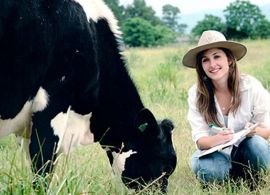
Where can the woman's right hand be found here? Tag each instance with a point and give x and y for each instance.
(224, 136)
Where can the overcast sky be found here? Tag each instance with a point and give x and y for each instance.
(191, 6)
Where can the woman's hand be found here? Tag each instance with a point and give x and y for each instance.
(224, 136)
(252, 132)
(261, 131)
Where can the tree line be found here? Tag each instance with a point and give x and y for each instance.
(142, 27)
(243, 20)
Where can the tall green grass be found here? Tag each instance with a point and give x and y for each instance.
(163, 84)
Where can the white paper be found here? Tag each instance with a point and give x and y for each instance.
(237, 138)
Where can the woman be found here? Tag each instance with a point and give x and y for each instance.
(228, 99)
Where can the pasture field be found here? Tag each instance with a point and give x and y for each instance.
(163, 84)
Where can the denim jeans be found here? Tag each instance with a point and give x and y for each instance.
(251, 157)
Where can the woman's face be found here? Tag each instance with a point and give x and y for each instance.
(215, 64)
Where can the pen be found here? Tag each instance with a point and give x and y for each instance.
(215, 128)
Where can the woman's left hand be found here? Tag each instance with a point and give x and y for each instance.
(251, 133)
(259, 130)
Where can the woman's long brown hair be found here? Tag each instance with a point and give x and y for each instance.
(205, 89)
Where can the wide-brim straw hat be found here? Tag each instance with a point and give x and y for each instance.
(213, 39)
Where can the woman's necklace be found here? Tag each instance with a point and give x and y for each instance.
(225, 108)
(224, 102)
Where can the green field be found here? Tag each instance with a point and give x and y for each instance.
(163, 83)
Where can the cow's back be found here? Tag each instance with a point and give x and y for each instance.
(42, 42)
(25, 40)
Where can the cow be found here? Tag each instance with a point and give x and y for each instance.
(64, 82)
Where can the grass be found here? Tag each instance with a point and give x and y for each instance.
(163, 83)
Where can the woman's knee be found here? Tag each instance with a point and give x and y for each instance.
(213, 167)
(256, 152)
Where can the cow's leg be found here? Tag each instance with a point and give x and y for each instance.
(43, 144)
(42, 148)
(43, 139)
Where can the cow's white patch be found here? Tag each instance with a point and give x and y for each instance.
(119, 160)
(40, 101)
(19, 124)
(72, 129)
(96, 9)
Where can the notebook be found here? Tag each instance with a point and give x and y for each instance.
(237, 138)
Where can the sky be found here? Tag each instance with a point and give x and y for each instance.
(191, 6)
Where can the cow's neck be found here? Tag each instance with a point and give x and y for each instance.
(119, 106)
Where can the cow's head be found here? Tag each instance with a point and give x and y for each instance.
(149, 155)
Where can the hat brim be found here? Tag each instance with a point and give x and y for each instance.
(238, 50)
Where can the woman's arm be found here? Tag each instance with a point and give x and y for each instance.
(263, 132)
(207, 142)
(261, 109)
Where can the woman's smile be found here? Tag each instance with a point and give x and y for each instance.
(215, 70)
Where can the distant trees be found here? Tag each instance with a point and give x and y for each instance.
(242, 20)
(170, 16)
(139, 32)
(141, 26)
(140, 9)
(209, 22)
(245, 20)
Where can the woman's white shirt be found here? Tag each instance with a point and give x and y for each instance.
(254, 108)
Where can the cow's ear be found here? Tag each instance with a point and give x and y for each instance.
(145, 121)
(167, 125)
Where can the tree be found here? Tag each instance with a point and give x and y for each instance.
(170, 16)
(245, 20)
(263, 29)
(209, 22)
(140, 9)
(164, 35)
(140, 26)
(139, 32)
(181, 28)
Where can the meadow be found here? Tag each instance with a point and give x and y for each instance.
(163, 83)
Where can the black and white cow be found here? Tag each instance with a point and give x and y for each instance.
(63, 82)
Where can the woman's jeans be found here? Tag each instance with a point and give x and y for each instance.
(247, 160)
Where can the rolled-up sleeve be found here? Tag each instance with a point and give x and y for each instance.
(196, 121)
(261, 104)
